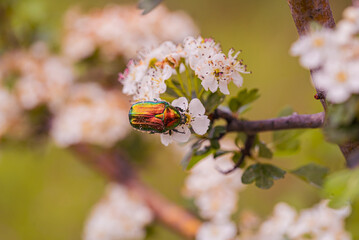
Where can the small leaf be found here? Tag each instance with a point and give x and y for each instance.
(241, 137)
(262, 174)
(264, 151)
(245, 97)
(220, 152)
(286, 140)
(213, 101)
(148, 5)
(233, 105)
(217, 132)
(342, 187)
(215, 143)
(312, 173)
(196, 157)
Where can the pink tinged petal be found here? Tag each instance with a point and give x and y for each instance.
(182, 134)
(181, 102)
(166, 139)
(196, 108)
(200, 124)
(237, 79)
(223, 86)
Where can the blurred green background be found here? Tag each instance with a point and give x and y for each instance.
(45, 193)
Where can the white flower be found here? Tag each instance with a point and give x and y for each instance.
(339, 79)
(313, 48)
(145, 79)
(196, 49)
(119, 215)
(195, 117)
(218, 70)
(217, 231)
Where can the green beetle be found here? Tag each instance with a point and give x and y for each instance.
(156, 117)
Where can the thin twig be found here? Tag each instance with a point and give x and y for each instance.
(294, 121)
(246, 152)
(115, 167)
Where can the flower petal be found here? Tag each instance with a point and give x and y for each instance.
(166, 139)
(182, 135)
(181, 102)
(200, 124)
(223, 86)
(196, 108)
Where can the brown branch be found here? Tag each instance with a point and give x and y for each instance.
(116, 168)
(304, 12)
(294, 121)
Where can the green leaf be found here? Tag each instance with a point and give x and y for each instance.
(217, 131)
(213, 101)
(215, 143)
(241, 137)
(262, 174)
(342, 187)
(196, 157)
(233, 105)
(286, 140)
(245, 97)
(312, 173)
(241, 103)
(148, 5)
(220, 152)
(264, 151)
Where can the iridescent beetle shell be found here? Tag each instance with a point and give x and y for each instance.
(155, 117)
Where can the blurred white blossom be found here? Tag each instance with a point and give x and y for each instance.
(92, 115)
(38, 76)
(9, 111)
(122, 30)
(217, 231)
(319, 222)
(120, 215)
(334, 54)
(195, 117)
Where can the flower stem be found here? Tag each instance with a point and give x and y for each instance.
(196, 80)
(174, 88)
(189, 80)
(200, 93)
(181, 82)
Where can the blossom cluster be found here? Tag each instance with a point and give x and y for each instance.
(119, 215)
(121, 30)
(319, 222)
(216, 196)
(333, 54)
(35, 76)
(91, 115)
(149, 76)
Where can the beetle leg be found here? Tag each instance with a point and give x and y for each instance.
(175, 130)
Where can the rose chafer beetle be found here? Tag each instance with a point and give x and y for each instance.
(156, 117)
